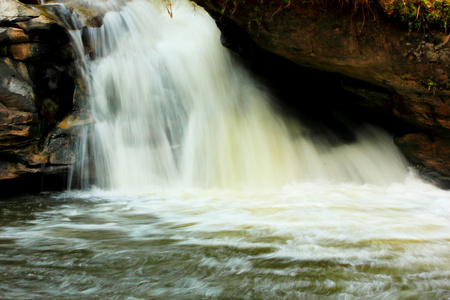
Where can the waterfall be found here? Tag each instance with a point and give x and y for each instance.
(174, 108)
(210, 190)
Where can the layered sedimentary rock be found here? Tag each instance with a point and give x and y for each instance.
(38, 82)
(396, 72)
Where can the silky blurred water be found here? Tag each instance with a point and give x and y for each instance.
(304, 241)
(174, 108)
(205, 191)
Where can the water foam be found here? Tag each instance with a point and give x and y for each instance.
(174, 108)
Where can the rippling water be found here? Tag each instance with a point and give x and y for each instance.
(306, 240)
(175, 111)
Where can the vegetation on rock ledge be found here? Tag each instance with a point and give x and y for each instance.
(419, 14)
(416, 14)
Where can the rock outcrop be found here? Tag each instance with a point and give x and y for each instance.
(395, 72)
(38, 85)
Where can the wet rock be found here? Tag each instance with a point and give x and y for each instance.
(61, 151)
(13, 10)
(13, 35)
(27, 51)
(41, 90)
(402, 74)
(9, 170)
(16, 88)
(38, 80)
(430, 152)
(62, 142)
(18, 120)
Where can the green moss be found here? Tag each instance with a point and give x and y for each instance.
(417, 15)
(429, 83)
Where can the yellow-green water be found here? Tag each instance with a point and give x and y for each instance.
(207, 193)
(305, 241)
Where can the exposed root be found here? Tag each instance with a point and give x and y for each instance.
(281, 8)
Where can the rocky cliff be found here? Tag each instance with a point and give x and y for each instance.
(397, 72)
(38, 85)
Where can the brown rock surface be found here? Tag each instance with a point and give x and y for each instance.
(38, 80)
(430, 151)
(410, 68)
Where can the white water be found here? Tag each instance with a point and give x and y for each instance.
(306, 241)
(214, 195)
(174, 108)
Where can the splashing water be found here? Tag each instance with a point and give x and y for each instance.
(307, 241)
(174, 108)
(216, 196)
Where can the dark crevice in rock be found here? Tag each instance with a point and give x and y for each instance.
(32, 184)
(329, 104)
(372, 70)
(234, 37)
(55, 34)
(324, 102)
(35, 2)
(55, 95)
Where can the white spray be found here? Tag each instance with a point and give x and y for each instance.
(173, 108)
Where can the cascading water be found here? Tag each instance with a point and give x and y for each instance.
(174, 108)
(234, 201)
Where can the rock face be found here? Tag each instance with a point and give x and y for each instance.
(397, 73)
(38, 82)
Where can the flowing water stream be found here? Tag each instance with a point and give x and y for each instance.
(206, 191)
